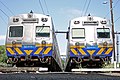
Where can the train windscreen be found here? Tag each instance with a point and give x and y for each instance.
(103, 33)
(78, 33)
(42, 31)
(16, 31)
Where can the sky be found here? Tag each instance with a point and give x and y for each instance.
(61, 11)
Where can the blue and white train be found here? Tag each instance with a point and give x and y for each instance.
(89, 42)
(31, 41)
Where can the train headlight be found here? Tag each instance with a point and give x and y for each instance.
(90, 18)
(13, 43)
(77, 44)
(105, 43)
(43, 42)
(30, 15)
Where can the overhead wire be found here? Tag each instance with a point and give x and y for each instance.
(3, 20)
(113, 7)
(4, 13)
(87, 7)
(83, 7)
(6, 7)
(46, 7)
(41, 7)
(117, 19)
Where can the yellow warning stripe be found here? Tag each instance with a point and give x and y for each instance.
(8, 45)
(38, 50)
(100, 51)
(77, 46)
(10, 51)
(109, 50)
(19, 51)
(28, 52)
(11, 45)
(74, 51)
(38, 45)
(82, 51)
(100, 46)
(47, 50)
(91, 52)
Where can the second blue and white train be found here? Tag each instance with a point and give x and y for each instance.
(89, 43)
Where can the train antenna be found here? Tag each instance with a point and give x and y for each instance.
(89, 14)
(31, 11)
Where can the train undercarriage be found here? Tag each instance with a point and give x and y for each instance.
(28, 61)
(87, 62)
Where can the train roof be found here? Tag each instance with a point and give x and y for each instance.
(35, 15)
(29, 18)
(90, 20)
(85, 18)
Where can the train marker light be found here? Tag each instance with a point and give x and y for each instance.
(15, 19)
(103, 22)
(44, 19)
(76, 22)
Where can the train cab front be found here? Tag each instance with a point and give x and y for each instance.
(29, 39)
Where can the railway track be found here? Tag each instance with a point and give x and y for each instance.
(45, 70)
(21, 69)
(60, 76)
(35, 73)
